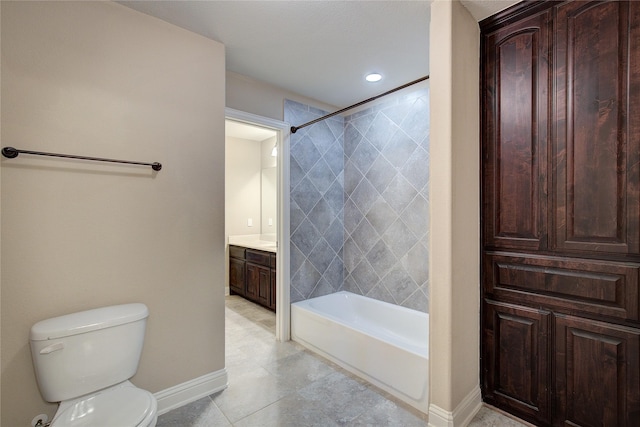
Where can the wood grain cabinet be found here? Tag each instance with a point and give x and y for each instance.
(252, 275)
(516, 345)
(236, 270)
(561, 212)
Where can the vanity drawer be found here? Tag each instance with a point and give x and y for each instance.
(566, 284)
(258, 257)
(236, 252)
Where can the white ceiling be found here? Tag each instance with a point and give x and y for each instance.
(319, 49)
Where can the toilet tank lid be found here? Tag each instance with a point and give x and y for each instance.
(86, 321)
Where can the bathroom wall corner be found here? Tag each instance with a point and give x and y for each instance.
(455, 205)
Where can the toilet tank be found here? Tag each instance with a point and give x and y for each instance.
(83, 352)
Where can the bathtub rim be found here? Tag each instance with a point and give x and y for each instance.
(306, 305)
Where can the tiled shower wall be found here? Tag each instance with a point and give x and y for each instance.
(386, 213)
(360, 202)
(317, 202)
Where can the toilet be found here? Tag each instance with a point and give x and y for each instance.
(85, 360)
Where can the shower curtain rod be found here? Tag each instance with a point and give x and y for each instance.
(294, 129)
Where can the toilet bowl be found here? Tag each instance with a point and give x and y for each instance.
(84, 361)
(120, 405)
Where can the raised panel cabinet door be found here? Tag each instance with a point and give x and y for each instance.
(595, 140)
(515, 94)
(597, 373)
(515, 361)
(264, 286)
(236, 276)
(252, 281)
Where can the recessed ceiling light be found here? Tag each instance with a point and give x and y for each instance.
(373, 77)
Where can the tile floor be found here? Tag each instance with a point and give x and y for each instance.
(282, 384)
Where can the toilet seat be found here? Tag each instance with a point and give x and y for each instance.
(123, 405)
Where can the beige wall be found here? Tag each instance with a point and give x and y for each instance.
(255, 97)
(454, 264)
(243, 166)
(99, 79)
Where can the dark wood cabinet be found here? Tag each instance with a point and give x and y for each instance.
(515, 124)
(252, 275)
(259, 284)
(597, 376)
(516, 348)
(236, 270)
(595, 159)
(560, 92)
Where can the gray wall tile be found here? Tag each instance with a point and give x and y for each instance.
(317, 205)
(360, 201)
(393, 195)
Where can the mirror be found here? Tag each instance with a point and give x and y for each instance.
(268, 198)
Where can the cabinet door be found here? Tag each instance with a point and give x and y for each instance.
(236, 276)
(597, 373)
(515, 134)
(514, 359)
(252, 281)
(258, 284)
(596, 141)
(264, 286)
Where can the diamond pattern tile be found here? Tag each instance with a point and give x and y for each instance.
(399, 149)
(364, 155)
(381, 258)
(317, 202)
(381, 216)
(360, 201)
(380, 131)
(305, 153)
(306, 195)
(399, 193)
(381, 173)
(321, 256)
(399, 238)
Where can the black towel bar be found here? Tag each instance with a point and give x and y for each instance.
(11, 153)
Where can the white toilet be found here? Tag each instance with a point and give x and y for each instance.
(84, 361)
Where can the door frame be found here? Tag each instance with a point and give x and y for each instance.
(283, 286)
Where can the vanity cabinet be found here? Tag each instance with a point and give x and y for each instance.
(561, 212)
(252, 275)
(236, 270)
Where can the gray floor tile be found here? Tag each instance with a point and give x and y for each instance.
(342, 397)
(488, 417)
(292, 410)
(389, 414)
(273, 384)
(249, 391)
(201, 413)
(298, 370)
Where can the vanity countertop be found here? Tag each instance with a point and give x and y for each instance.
(254, 241)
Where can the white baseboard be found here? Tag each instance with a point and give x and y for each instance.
(461, 415)
(190, 391)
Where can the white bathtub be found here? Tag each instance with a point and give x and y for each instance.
(382, 343)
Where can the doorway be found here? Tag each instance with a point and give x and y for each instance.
(280, 130)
